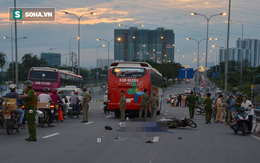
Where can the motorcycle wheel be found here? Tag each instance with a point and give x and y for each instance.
(9, 128)
(197, 112)
(191, 123)
(18, 129)
(244, 128)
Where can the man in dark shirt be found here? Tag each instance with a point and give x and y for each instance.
(192, 102)
(208, 111)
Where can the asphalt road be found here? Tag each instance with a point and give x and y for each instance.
(72, 141)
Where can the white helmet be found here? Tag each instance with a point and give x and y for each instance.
(12, 86)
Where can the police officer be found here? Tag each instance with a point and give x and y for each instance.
(154, 104)
(238, 101)
(208, 104)
(192, 102)
(122, 105)
(144, 102)
(85, 105)
(30, 101)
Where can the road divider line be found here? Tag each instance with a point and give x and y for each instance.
(108, 116)
(45, 137)
(156, 139)
(256, 137)
(88, 123)
(165, 114)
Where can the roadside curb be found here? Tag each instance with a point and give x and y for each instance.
(256, 128)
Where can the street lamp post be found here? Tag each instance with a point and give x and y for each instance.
(97, 60)
(16, 58)
(108, 42)
(198, 62)
(242, 52)
(12, 49)
(78, 17)
(70, 50)
(207, 43)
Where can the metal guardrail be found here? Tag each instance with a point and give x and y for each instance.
(257, 115)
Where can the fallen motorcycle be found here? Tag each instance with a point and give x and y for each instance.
(175, 122)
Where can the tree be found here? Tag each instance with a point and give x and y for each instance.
(2, 62)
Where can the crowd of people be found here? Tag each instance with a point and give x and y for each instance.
(31, 105)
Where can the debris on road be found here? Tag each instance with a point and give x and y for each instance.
(149, 141)
(179, 138)
(108, 128)
(99, 140)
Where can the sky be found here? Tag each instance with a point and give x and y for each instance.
(170, 14)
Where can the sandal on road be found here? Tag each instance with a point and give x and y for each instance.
(51, 125)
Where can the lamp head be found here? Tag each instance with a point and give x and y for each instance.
(98, 39)
(93, 13)
(133, 37)
(119, 25)
(193, 13)
(187, 38)
(216, 39)
(142, 25)
(64, 12)
(223, 13)
(104, 45)
(5, 37)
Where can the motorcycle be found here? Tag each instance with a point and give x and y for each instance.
(168, 100)
(175, 122)
(240, 120)
(11, 121)
(73, 112)
(200, 110)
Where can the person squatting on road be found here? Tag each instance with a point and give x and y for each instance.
(30, 102)
(208, 102)
(231, 108)
(192, 103)
(144, 103)
(154, 105)
(248, 105)
(219, 110)
(15, 95)
(85, 105)
(56, 100)
(122, 105)
(46, 98)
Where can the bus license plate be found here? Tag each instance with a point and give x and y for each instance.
(128, 100)
(7, 116)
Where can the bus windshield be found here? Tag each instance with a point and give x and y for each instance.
(43, 76)
(129, 72)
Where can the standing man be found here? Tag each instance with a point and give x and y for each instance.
(154, 104)
(192, 102)
(219, 110)
(231, 108)
(144, 102)
(85, 105)
(179, 100)
(122, 105)
(238, 101)
(30, 101)
(208, 105)
(250, 112)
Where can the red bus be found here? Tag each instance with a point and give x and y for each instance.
(53, 78)
(133, 78)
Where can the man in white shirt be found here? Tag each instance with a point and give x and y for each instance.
(46, 98)
(248, 105)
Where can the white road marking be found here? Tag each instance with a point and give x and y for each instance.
(165, 113)
(108, 116)
(50, 135)
(156, 139)
(88, 123)
(256, 137)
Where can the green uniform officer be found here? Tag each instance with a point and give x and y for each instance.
(30, 101)
(122, 105)
(154, 104)
(238, 101)
(144, 103)
(85, 105)
(192, 103)
(208, 111)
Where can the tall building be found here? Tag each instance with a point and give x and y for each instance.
(52, 59)
(143, 44)
(234, 54)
